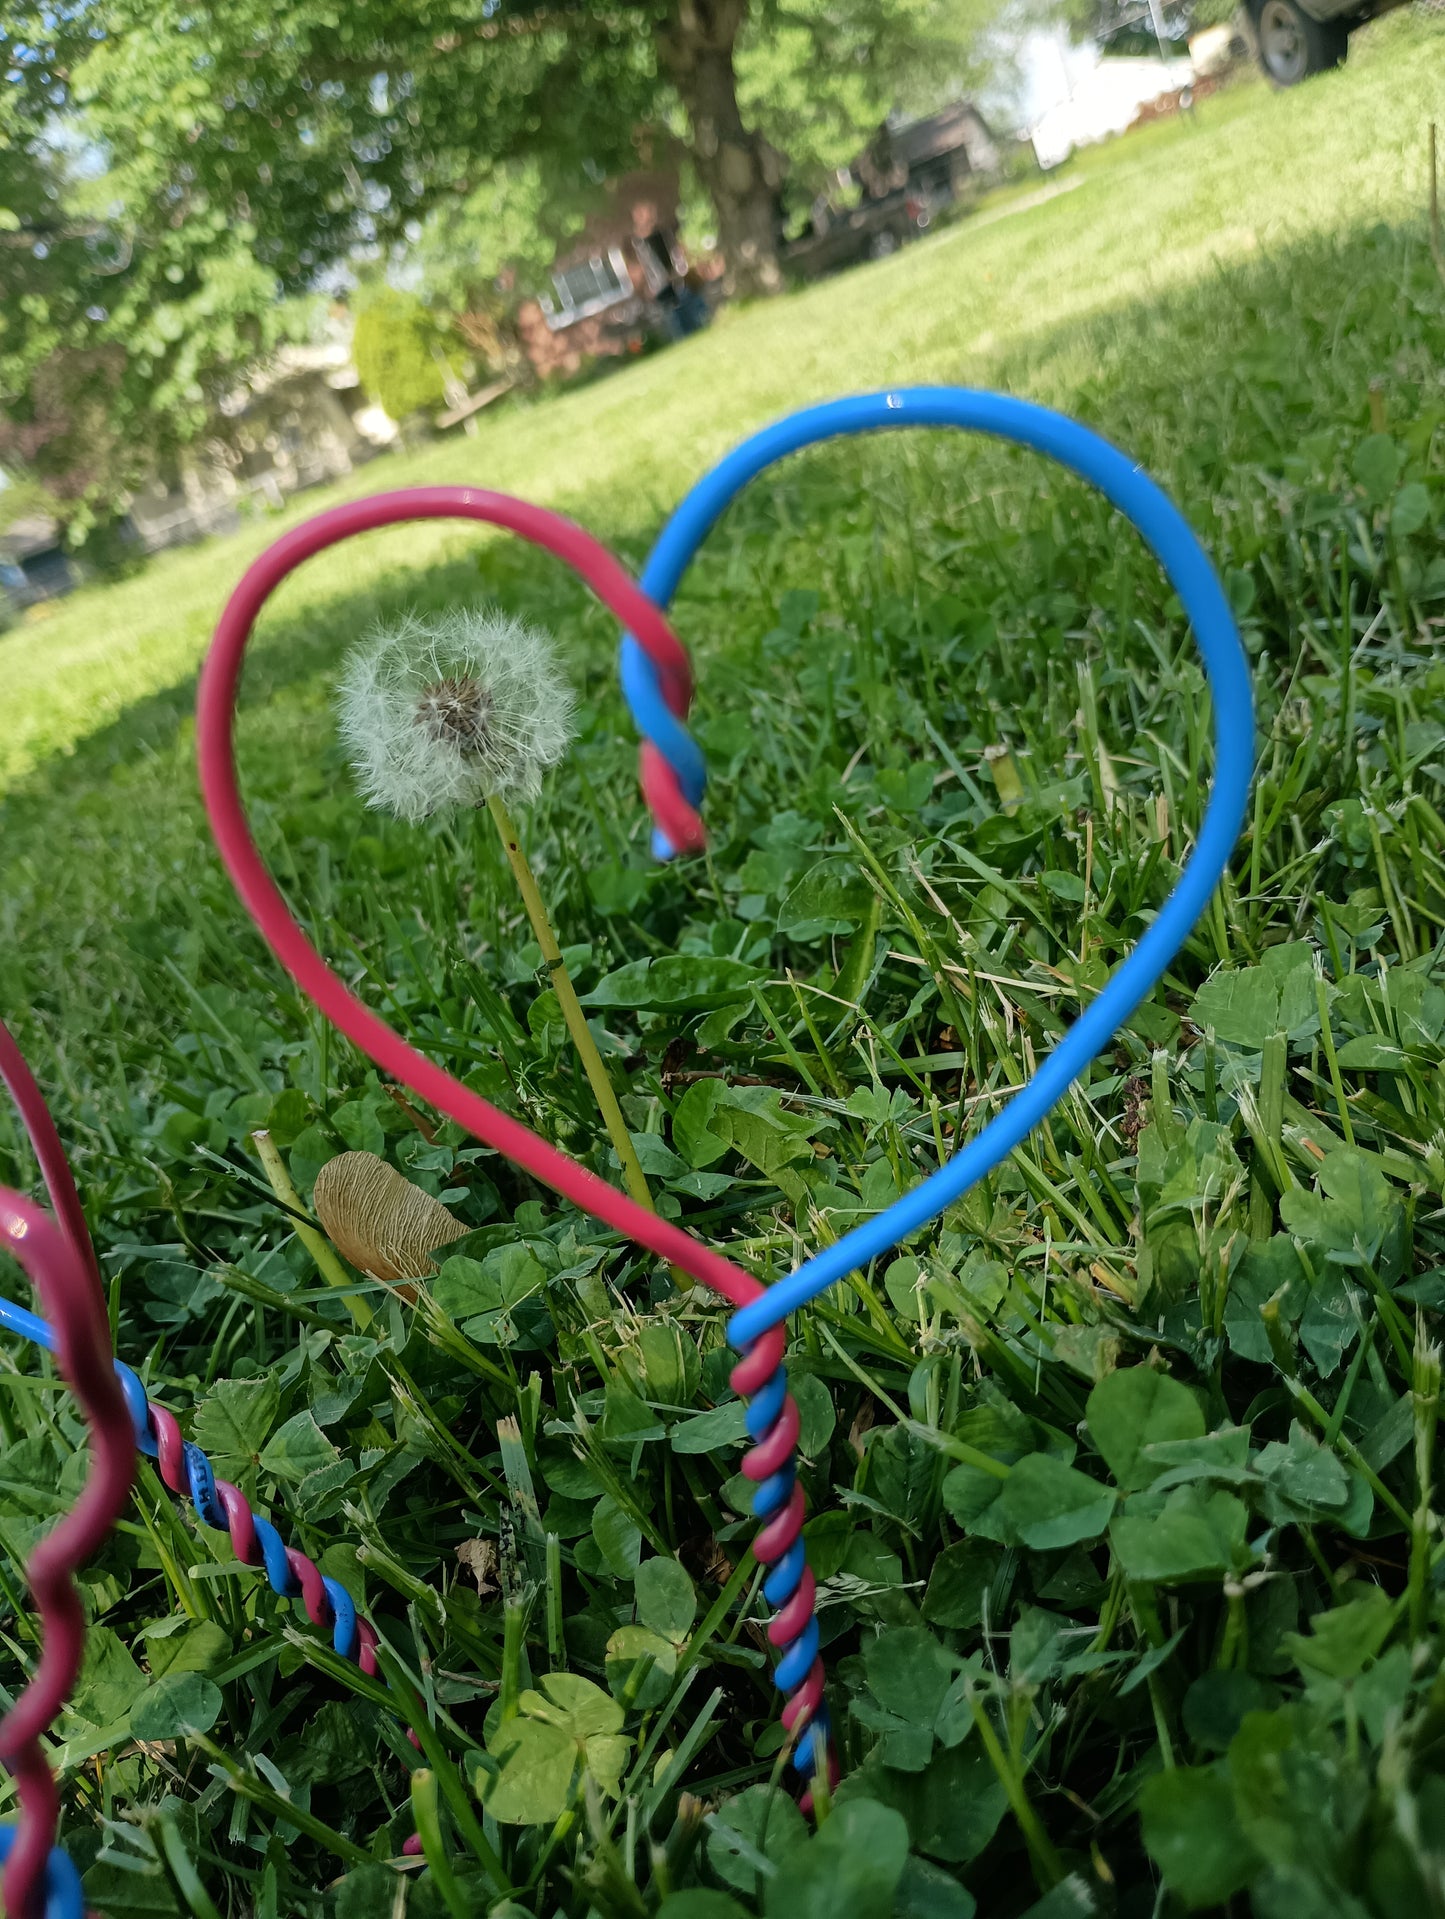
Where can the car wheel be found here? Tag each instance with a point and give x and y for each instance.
(1292, 46)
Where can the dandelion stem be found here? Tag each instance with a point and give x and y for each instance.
(597, 1077)
(328, 1263)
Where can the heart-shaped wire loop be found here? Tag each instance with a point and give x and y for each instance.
(1169, 536)
(779, 1498)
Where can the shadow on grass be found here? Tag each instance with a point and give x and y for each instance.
(1214, 385)
(1246, 394)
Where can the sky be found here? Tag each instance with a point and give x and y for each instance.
(1071, 95)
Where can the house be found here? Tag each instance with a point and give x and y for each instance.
(621, 278)
(936, 158)
(299, 421)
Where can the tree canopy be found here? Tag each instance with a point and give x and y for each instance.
(117, 338)
(218, 157)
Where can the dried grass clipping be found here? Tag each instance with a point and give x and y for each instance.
(379, 1221)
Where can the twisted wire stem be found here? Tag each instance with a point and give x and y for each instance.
(673, 780)
(38, 1877)
(790, 1588)
(60, 1259)
(256, 1542)
(290, 1574)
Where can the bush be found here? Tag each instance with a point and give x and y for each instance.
(394, 349)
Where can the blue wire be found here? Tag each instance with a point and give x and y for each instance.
(64, 1895)
(140, 1410)
(201, 1482)
(657, 722)
(343, 1608)
(1168, 535)
(15, 1319)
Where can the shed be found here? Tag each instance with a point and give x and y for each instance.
(935, 157)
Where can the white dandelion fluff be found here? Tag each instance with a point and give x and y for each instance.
(451, 709)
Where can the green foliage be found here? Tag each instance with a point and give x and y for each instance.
(1130, 1411)
(820, 79)
(1193, 1832)
(852, 1864)
(508, 229)
(124, 325)
(178, 1706)
(476, 145)
(231, 182)
(568, 1732)
(395, 347)
(1121, 1476)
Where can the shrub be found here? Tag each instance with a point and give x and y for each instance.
(395, 352)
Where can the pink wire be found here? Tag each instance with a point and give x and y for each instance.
(215, 717)
(45, 1143)
(72, 1303)
(215, 712)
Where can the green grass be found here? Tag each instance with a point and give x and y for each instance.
(1052, 303)
(1123, 1475)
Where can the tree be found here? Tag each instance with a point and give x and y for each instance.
(1128, 26)
(820, 78)
(739, 168)
(477, 252)
(324, 127)
(780, 85)
(55, 432)
(117, 342)
(216, 157)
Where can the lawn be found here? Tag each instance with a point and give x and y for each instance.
(1187, 1654)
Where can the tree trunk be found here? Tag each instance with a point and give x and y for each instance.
(740, 171)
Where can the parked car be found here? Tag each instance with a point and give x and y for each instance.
(1295, 38)
(870, 231)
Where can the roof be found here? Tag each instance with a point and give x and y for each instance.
(942, 132)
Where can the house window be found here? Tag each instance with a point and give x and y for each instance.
(590, 287)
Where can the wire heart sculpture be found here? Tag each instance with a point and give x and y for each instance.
(657, 682)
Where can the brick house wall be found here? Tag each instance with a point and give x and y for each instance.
(626, 254)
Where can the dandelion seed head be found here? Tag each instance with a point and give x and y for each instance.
(446, 710)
